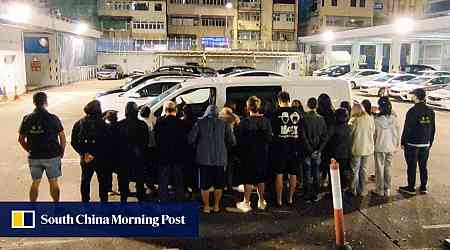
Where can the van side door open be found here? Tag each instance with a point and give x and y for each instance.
(198, 99)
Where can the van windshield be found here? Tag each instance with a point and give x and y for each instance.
(164, 95)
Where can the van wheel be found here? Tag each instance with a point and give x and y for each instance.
(382, 92)
(353, 84)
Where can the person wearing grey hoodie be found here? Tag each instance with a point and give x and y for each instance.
(387, 141)
(211, 137)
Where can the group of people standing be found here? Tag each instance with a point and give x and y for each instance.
(288, 147)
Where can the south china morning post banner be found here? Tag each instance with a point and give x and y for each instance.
(76, 219)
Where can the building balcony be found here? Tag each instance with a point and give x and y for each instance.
(247, 6)
(260, 45)
(283, 25)
(197, 31)
(249, 25)
(199, 10)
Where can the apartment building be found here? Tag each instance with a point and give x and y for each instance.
(234, 23)
(337, 15)
(138, 20)
(385, 11)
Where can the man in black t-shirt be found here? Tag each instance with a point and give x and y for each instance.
(41, 134)
(287, 132)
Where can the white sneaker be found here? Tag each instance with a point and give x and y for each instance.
(244, 206)
(262, 205)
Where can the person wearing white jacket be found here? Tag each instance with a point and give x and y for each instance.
(362, 134)
(387, 141)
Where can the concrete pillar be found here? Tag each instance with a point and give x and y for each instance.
(394, 60)
(356, 49)
(444, 56)
(414, 56)
(327, 52)
(378, 56)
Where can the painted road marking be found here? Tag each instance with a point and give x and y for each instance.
(436, 226)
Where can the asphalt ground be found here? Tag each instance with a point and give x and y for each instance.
(400, 222)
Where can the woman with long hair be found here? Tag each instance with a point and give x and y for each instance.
(326, 110)
(387, 141)
(362, 134)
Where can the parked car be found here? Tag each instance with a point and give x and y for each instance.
(440, 98)
(333, 71)
(234, 69)
(248, 73)
(427, 83)
(380, 85)
(355, 78)
(203, 71)
(141, 94)
(129, 85)
(110, 71)
(415, 68)
(433, 73)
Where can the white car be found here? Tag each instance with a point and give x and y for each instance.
(427, 83)
(357, 77)
(140, 94)
(433, 73)
(380, 85)
(253, 73)
(440, 98)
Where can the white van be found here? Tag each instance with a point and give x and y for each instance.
(199, 93)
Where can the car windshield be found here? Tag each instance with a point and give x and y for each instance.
(129, 85)
(164, 95)
(419, 81)
(353, 73)
(383, 78)
(109, 66)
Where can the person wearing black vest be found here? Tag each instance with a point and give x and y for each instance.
(38, 135)
(90, 140)
(417, 139)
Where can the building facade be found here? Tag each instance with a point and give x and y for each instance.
(337, 15)
(238, 24)
(139, 20)
(385, 11)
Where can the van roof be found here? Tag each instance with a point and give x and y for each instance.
(257, 81)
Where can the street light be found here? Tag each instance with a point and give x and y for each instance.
(18, 13)
(328, 36)
(81, 28)
(404, 25)
(229, 5)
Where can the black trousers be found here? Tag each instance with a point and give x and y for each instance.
(132, 172)
(165, 172)
(87, 171)
(414, 156)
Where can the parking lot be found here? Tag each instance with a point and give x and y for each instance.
(400, 222)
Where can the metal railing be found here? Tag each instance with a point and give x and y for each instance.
(130, 45)
(79, 73)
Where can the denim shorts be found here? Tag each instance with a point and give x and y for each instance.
(52, 168)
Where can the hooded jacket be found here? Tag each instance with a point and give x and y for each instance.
(91, 134)
(211, 137)
(362, 133)
(387, 133)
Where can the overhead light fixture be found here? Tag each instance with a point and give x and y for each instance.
(18, 12)
(404, 25)
(229, 5)
(81, 28)
(328, 36)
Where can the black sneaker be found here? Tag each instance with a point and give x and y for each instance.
(423, 190)
(407, 190)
